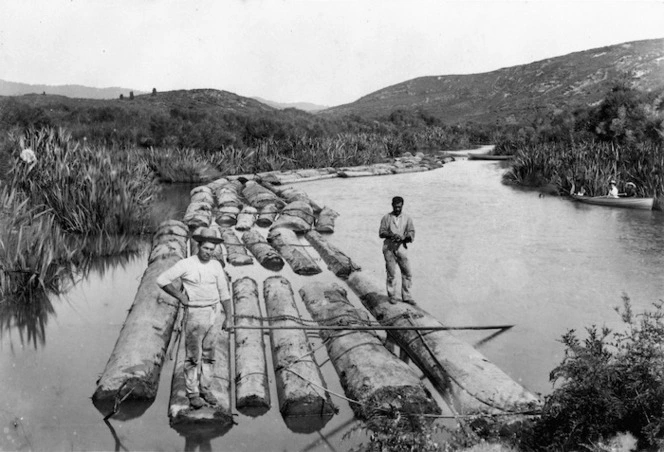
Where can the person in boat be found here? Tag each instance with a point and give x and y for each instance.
(205, 286)
(630, 190)
(581, 192)
(397, 230)
(613, 189)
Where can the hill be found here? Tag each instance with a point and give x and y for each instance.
(518, 92)
(17, 89)
(304, 106)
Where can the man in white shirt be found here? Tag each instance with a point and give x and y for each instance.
(397, 229)
(205, 286)
(613, 190)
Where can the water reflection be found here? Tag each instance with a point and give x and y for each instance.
(199, 437)
(28, 309)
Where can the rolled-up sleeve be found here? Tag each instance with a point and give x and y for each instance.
(410, 229)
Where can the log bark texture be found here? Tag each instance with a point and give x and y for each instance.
(227, 216)
(252, 390)
(369, 374)
(326, 219)
(180, 413)
(237, 255)
(135, 363)
(298, 216)
(262, 251)
(468, 381)
(246, 218)
(267, 215)
(289, 246)
(259, 196)
(303, 401)
(338, 262)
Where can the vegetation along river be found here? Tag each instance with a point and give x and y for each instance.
(484, 254)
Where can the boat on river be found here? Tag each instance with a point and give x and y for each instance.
(630, 203)
(472, 156)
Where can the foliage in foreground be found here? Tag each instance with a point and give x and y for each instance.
(610, 383)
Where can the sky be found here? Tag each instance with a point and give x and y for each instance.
(327, 52)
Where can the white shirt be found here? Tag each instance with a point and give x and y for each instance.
(204, 282)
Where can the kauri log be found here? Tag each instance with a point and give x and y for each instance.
(237, 255)
(340, 264)
(262, 251)
(289, 246)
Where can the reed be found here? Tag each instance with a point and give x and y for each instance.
(590, 165)
(88, 189)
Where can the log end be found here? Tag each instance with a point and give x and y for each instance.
(253, 406)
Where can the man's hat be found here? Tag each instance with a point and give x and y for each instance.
(207, 235)
(612, 182)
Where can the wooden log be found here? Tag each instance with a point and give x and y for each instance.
(246, 218)
(227, 216)
(202, 196)
(326, 220)
(409, 169)
(237, 255)
(198, 214)
(262, 251)
(297, 215)
(338, 262)
(200, 189)
(135, 364)
(304, 402)
(259, 196)
(292, 194)
(216, 184)
(180, 413)
(252, 390)
(267, 215)
(466, 379)
(369, 374)
(291, 249)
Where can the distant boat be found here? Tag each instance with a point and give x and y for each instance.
(629, 203)
(488, 157)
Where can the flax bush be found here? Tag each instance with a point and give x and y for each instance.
(88, 189)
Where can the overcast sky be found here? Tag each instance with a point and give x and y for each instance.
(327, 52)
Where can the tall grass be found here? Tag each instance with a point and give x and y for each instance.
(590, 165)
(88, 189)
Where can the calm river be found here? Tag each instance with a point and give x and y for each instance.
(484, 254)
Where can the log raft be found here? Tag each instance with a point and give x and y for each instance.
(338, 262)
(467, 380)
(371, 375)
(304, 402)
(133, 369)
(252, 391)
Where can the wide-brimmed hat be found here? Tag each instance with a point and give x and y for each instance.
(630, 184)
(612, 182)
(207, 235)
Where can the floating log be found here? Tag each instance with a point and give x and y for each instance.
(200, 189)
(267, 215)
(237, 255)
(292, 194)
(262, 251)
(304, 402)
(180, 413)
(339, 263)
(291, 249)
(326, 220)
(297, 215)
(202, 196)
(259, 196)
(468, 381)
(227, 197)
(216, 184)
(409, 169)
(198, 214)
(227, 216)
(135, 364)
(369, 374)
(246, 218)
(252, 390)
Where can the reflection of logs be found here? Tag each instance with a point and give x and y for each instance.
(340, 264)
(246, 218)
(237, 255)
(263, 251)
(326, 220)
(289, 246)
(218, 416)
(467, 379)
(303, 400)
(135, 363)
(252, 391)
(368, 372)
(297, 216)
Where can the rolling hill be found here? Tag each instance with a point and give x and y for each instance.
(79, 91)
(518, 92)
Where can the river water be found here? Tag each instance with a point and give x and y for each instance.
(484, 254)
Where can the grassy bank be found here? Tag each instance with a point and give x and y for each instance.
(589, 165)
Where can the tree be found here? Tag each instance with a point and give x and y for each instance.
(154, 91)
(131, 95)
(121, 96)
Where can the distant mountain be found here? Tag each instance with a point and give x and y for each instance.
(76, 91)
(518, 92)
(305, 106)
